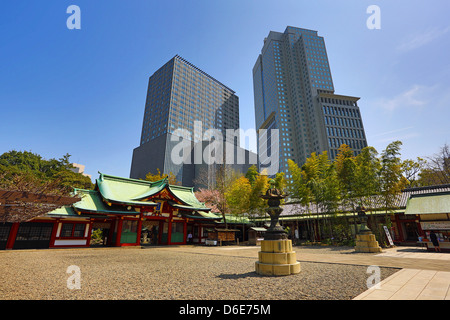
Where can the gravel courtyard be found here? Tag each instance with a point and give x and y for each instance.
(159, 273)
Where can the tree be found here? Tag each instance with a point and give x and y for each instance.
(29, 172)
(299, 192)
(321, 181)
(158, 176)
(216, 185)
(69, 180)
(297, 184)
(346, 173)
(238, 196)
(412, 169)
(280, 181)
(392, 180)
(257, 205)
(17, 163)
(345, 167)
(437, 169)
(252, 174)
(367, 182)
(215, 200)
(26, 209)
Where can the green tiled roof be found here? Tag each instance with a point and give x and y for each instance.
(204, 215)
(186, 195)
(65, 211)
(239, 219)
(133, 191)
(113, 194)
(428, 204)
(91, 201)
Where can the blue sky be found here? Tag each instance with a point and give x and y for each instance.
(83, 91)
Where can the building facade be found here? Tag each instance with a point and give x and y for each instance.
(118, 212)
(294, 93)
(183, 101)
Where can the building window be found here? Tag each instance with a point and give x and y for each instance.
(72, 230)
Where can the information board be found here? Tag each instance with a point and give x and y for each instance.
(388, 235)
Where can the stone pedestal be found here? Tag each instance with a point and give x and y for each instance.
(276, 258)
(367, 243)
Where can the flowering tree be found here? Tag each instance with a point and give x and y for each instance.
(215, 200)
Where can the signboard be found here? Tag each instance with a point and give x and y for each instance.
(388, 235)
(435, 225)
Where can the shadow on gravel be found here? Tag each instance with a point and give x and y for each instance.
(360, 253)
(238, 276)
(325, 249)
(412, 250)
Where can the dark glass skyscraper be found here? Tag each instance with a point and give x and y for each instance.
(294, 92)
(179, 95)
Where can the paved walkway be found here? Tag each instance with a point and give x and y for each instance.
(411, 284)
(423, 275)
(429, 279)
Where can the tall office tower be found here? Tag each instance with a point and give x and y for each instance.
(294, 93)
(179, 94)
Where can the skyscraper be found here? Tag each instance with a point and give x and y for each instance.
(294, 93)
(180, 95)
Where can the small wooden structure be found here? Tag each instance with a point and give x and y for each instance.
(218, 236)
(256, 235)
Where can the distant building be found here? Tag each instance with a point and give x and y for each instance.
(79, 168)
(294, 93)
(179, 97)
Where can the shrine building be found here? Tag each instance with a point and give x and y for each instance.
(118, 212)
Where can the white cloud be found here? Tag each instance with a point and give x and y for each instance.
(391, 132)
(414, 97)
(401, 138)
(419, 40)
(397, 134)
(419, 115)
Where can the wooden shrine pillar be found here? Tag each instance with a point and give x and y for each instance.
(119, 223)
(185, 231)
(54, 232)
(90, 226)
(12, 235)
(169, 231)
(139, 229)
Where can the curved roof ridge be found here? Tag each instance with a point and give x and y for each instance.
(128, 179)
(126, 190)
(181, 187)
